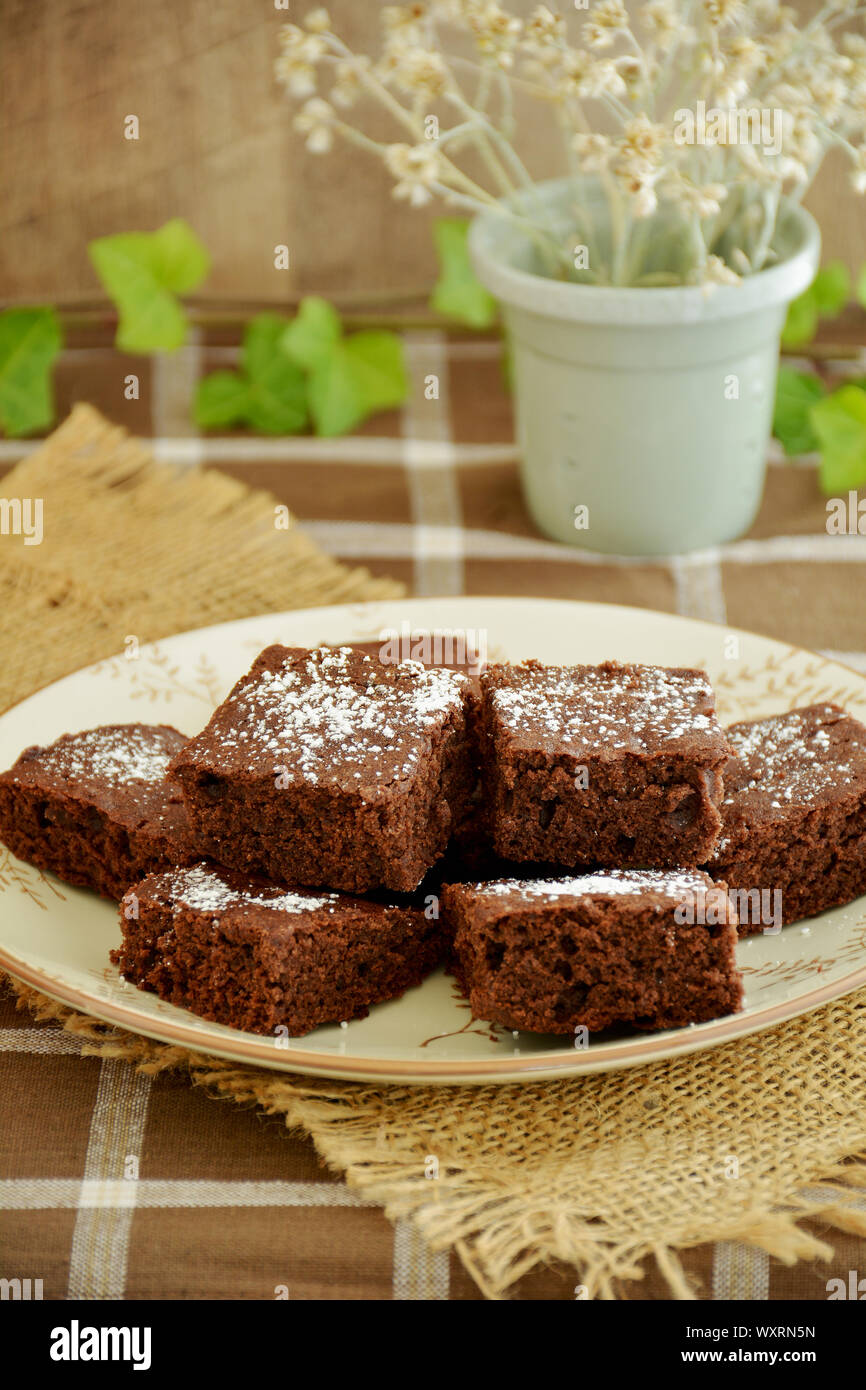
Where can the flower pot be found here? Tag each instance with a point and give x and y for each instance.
(642, 414)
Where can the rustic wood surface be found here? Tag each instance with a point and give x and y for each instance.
(215, 147)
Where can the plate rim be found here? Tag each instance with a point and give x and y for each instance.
(250, 1049)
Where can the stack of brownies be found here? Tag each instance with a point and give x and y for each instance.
(565, 838)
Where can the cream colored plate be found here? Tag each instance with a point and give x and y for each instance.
(57, 939)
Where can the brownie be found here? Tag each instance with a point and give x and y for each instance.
(651, 949)
(330, 767)
(794, 816)
(95, 807)
(611, 766)
(256, 956)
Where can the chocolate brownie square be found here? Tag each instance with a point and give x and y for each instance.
(257, 956)
(650, 949)
(96, 809)
(794, 816)
(330, 767)
(601, 765)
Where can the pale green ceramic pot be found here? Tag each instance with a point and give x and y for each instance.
(643, 415)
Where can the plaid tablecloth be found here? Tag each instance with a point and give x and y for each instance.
(228, 1204)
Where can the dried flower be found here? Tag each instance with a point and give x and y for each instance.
(496, 32)
(404, 19)
(317, 21)
(609, 21)
(709, 107)
(720, 13)
(316, 121)
(544, 27)
(296, 65)
(348, 85)
(641, 147)
(664, 23)
(593, 151)
(718, 272)
(416, 168)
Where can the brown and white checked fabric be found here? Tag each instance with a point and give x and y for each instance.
(227, 1204)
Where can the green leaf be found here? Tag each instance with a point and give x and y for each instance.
(840, 424)
(277, 401)
(143, 272)
(832, 288)
(269, 392)
(458, 293)
(221, 400)
(363, 374)
(801, 320)
(860, 287)
(30, 340)
(826, 297)
(796, 393)
(313, 333)
(377, 357)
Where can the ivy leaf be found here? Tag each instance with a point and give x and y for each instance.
(825, 298)
(796, 393)
(30, 340)
(313, 333)
(458, 293)
(801, 320)
(142, 273)
(860, 287)
(221, 401)
(361, 375)
(268, 393)
(839, 422)
(832, 288)
(277, 401)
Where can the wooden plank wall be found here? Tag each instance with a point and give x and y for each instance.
(215, 146)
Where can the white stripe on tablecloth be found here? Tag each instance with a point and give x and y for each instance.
(698, 584)
(420, 1274)
(396, 539)
(39, 1040)
(174, 381)
(740, 1271)
(100, 1240)
(434, 497)
(364, 450)
(120, 1194)
(383, 450)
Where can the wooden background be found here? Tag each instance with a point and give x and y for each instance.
(215, 147)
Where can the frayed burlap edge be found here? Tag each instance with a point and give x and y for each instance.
(136, 548)
(601, 1173)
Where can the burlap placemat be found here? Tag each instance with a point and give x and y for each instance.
(744, 1142)
(132, 547)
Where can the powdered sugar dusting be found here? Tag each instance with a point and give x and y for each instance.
(204, 889)
(116, 755)
(600, 708)
(336, 713)
(670, 883)
(798, 757)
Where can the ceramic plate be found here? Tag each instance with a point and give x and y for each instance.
(57, 938)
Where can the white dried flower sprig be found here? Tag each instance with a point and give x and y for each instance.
(684, 122)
